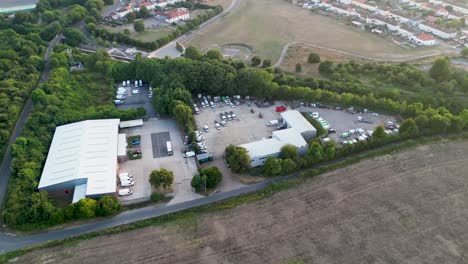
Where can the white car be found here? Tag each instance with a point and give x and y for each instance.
(206, 128)
(218, 126)
(124, 192)
(120, 97)
(189, 154)
(315, 115)
(117, 102)
(140, 82)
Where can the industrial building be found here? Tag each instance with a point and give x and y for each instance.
(83, 158)
(294, 119)
(298, 129)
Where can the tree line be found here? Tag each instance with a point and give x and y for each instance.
(20, 65)
(65, 98)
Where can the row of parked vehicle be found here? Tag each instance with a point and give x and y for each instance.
(126, 180)
(322, 121)
(208, 101)
(200, 140)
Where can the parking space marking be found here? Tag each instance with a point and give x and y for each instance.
(158, 141)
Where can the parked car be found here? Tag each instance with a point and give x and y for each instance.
(136, 142)
(232, 114)
(331, 130)
(136, 91)
(189, 154)
(124, 192)
(206, 128)
(222, 116)
(117, 102)
(281, 108)
(218, 126)
(120, 97)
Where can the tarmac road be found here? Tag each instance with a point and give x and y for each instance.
(5, 169)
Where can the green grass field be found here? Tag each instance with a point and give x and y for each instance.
(147, 36)
(268, 25)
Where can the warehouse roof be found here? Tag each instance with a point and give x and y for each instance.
(131, 123)
(290, 136)
(264, 147)
(122, 145)
(83, 152)
(297, 121)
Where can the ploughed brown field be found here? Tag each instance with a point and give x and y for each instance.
(409, 207)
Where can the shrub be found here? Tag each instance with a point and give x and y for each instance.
(107, 205)
(157, 197)
(313, 58)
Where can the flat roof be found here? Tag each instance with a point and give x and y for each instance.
(290, 136)
(131, 123)
(297, 121)
(264, 147)
(122, 145)
(83, 150)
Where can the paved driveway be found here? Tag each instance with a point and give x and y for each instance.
(183, 168)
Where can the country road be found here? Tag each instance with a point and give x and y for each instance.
(284, 52)
(170, 48)
(10, 242)
(5, 169)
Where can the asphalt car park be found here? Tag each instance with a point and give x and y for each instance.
(343, 121)
(158, 140)
(183, 168)
(141, 99)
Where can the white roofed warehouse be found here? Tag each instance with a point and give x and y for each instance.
(83, 157)
(298, 130)
(294, 119)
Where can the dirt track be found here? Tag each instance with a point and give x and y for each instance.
(405, 208)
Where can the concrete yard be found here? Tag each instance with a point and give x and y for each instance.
(245, 128)
(408, 207)
(182, 168)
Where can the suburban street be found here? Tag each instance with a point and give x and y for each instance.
(170, 48)
(5, 169)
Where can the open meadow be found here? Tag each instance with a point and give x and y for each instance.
(408, 207)
(268, 25)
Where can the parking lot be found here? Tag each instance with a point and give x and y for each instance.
(138, 100)
(245, 128)
(183, 168)
(343, 121)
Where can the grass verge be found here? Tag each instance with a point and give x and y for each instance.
(179, 218)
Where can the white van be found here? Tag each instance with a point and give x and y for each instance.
(121, 90)
(124, 192)
(125, 176)
(124, 83)
(272, 122)
(140, 82)
(127, 183)
(117, 102)
(169, 148)
(136, 83)
(128, 83)
(120, 97)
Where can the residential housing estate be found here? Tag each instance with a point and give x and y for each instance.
(406, 20)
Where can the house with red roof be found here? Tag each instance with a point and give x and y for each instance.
(424, 39)
(172, 16)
